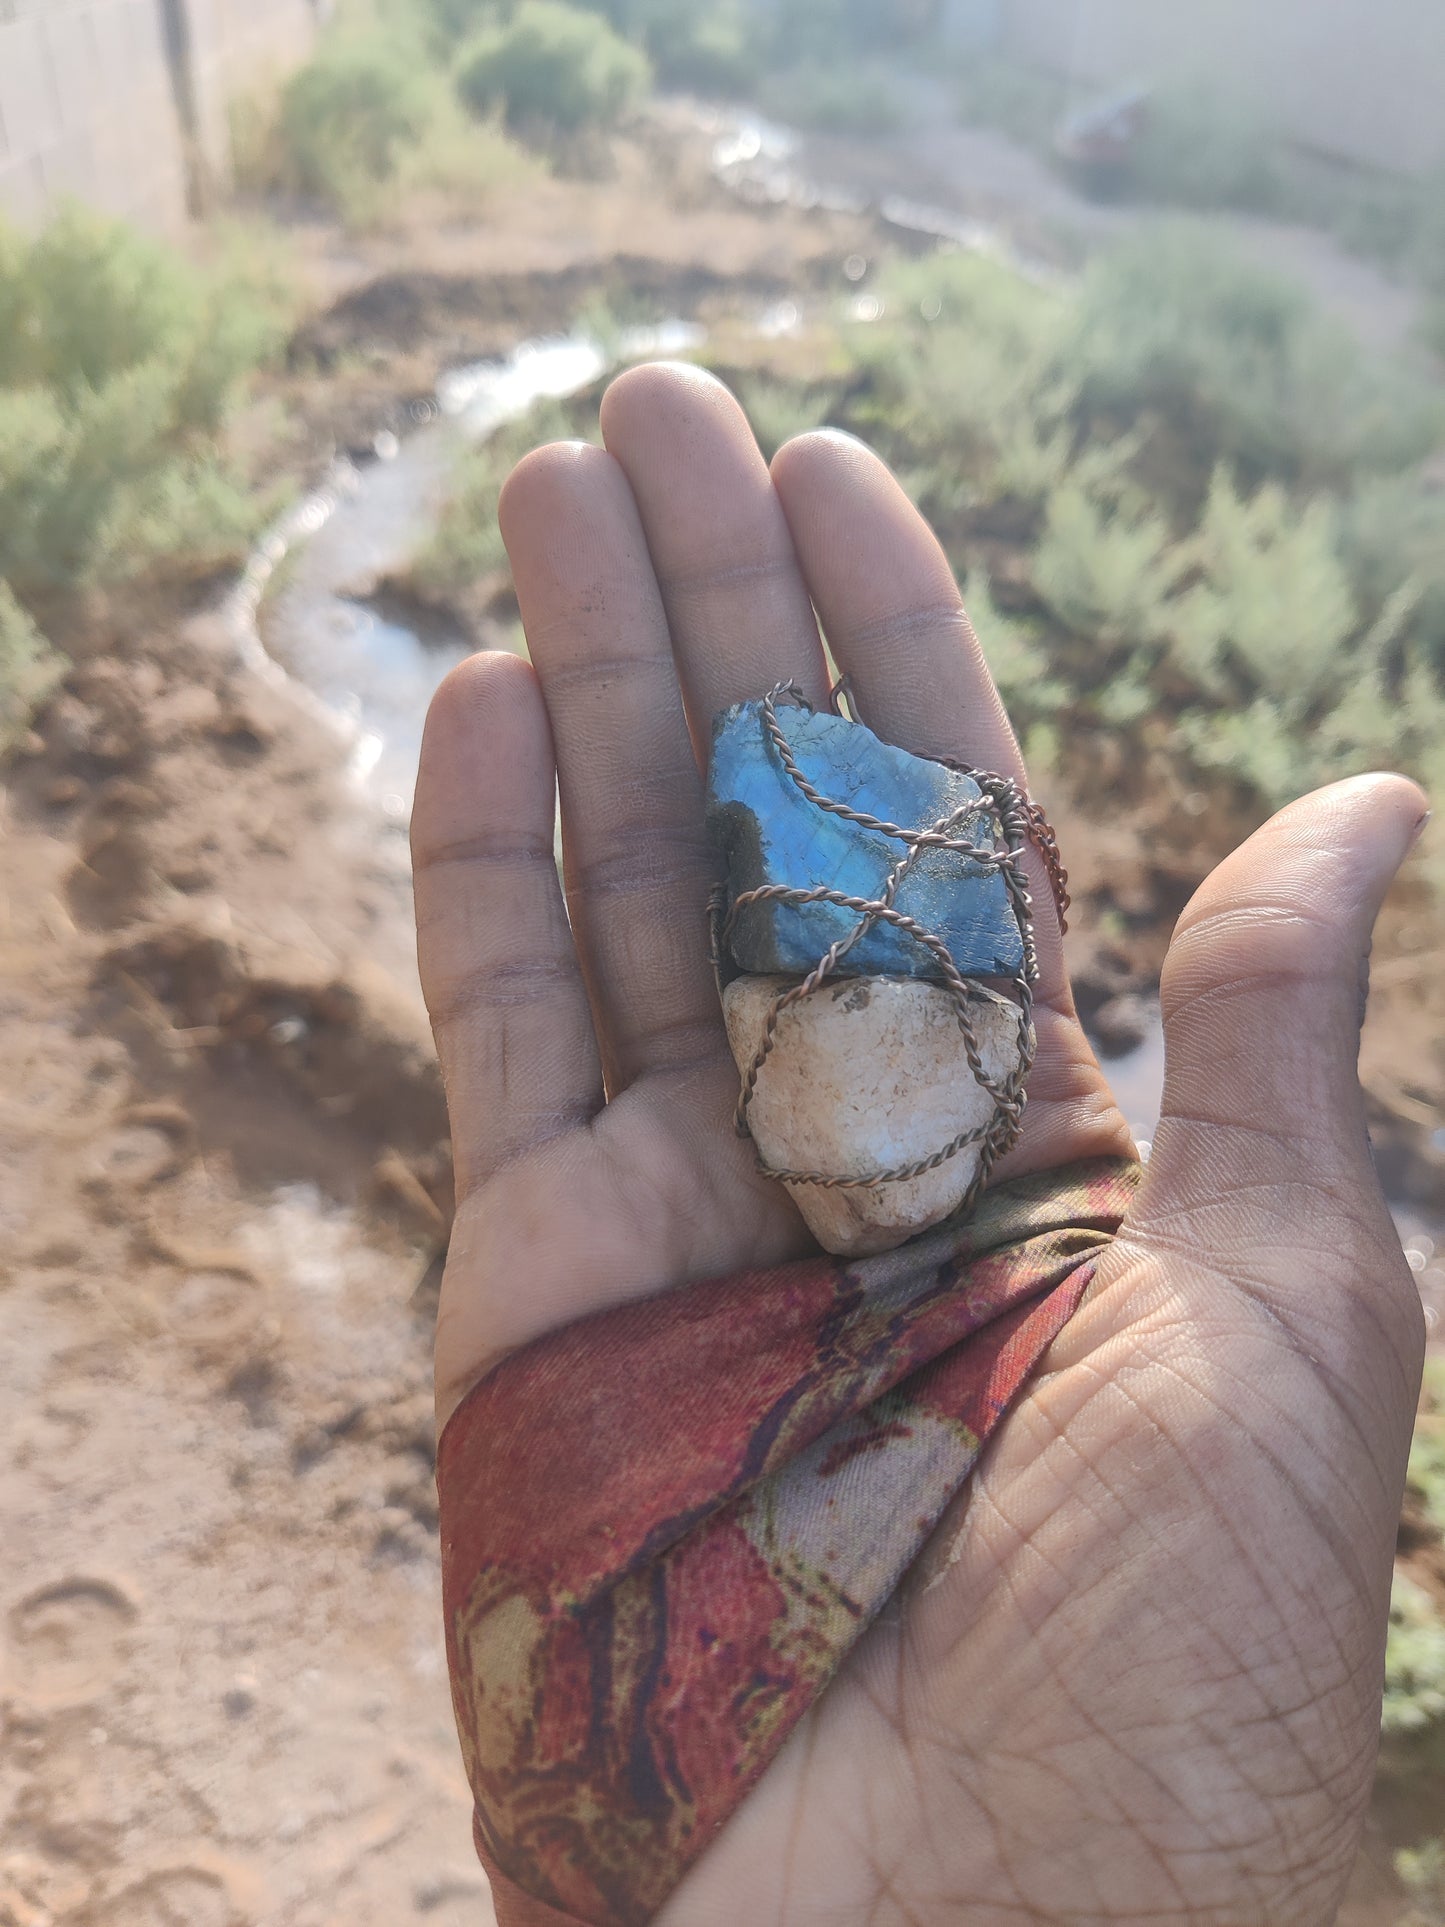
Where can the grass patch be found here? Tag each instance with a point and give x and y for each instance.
(1106, 571)
(1426, 1476)
(30, 669)
(119, 363)
(963, 390)
(349, 115)
(1414, 1660)
(1421, 1872)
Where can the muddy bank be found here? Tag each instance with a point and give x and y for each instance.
(223, 1182)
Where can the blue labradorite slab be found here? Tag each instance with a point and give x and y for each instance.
(770, 833)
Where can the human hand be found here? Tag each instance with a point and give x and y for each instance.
(1138, 1671)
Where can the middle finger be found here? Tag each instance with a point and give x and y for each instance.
(737, 604)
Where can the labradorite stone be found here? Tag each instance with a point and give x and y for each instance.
(770, 833)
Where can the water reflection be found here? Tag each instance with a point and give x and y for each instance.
(371, 664)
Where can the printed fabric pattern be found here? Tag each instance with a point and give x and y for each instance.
(664, 1527)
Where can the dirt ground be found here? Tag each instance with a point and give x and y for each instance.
(223, 1180)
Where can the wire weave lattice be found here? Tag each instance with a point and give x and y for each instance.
(1015, 821)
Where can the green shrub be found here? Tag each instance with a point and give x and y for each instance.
(1414, 1660)
(453, 21)
(29, 668)
(112, 403)
(1284, 616)
(466, 156)
(1241, 363)
(1286, 682)
(1392, 531)
(90, 299)
(1017, 660)
(1106, 571)
(113, 489)
(716, 49)
(1258, 746)
(551, 65)
(35, 443)
(713, 49)
(193, 517)
(1276, 749)
(369, 121)
(1202, 148)
(1426, 1476)
(963, 386)
(349, 116)
(1273, 611)
(1421, 1872)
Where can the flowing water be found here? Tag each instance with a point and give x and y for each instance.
(372, 672)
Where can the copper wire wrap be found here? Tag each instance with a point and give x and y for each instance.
(1015, 822)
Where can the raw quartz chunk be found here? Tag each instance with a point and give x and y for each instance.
(866, 1075)
(770, 833)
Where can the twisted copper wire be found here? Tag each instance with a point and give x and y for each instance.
(1017, 820)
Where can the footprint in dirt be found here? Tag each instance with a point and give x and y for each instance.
(68, 1641)
(221, 1308)
(148, 1144)
(180, 1897)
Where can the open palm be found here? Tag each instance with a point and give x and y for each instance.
(1137, 1674)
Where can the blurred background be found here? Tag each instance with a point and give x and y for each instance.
(1147, 306)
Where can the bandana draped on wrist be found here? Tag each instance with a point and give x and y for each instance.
(664, 1527)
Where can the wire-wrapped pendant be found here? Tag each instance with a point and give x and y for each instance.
(869, 892)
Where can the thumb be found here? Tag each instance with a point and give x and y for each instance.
(1261, 1157)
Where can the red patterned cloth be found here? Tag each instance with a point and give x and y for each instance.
(664, 1527)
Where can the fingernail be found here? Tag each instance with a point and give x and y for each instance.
(1419, 829)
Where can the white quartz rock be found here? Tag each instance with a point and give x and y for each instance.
(867, 1074)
